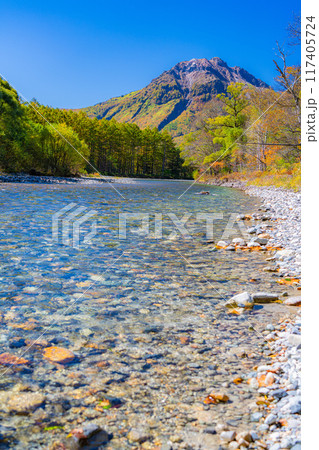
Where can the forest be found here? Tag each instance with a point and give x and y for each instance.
(252, 133)
(42, 140)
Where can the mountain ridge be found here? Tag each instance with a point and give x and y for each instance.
(174, 99)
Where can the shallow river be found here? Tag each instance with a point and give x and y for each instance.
(142, 315)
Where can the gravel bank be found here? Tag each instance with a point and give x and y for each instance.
(284, 207)
(24, 178)
(283, 419)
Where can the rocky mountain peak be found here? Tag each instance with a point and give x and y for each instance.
(174, 99)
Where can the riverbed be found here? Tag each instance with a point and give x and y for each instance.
(143, 314)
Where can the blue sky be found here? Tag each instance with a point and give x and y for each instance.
(73, 54)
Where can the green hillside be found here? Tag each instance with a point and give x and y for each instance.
(177, 98)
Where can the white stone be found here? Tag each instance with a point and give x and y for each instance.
(293, 301)
(270, 419)
(228, 436)
(243, 300)
(253, 244)
(238, 241)
(222, 243)
(295, 340)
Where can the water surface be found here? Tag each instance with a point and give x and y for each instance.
(128, 297)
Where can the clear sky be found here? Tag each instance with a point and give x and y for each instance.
(73, 54)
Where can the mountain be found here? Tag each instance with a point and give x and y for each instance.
(175, 99)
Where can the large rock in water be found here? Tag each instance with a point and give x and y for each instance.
(264, 297)
(243, 300)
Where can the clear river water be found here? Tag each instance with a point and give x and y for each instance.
(142, 315)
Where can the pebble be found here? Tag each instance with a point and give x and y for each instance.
(296, 447)
(279, 393)
(253, 244)
(270, 419)
(8, 359)
(255, 417)
(275, 447)
(221, 427)
(238, 241)
(259, 240)
(263, 390)
(269, 379)
(222, 244)
(139, 436)
(295, 407)
(228, 436)
(210, 430)
(17, 342)
(89, 436)
(294, 340)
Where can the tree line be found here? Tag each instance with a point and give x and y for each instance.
(253, 129)
(42, 140)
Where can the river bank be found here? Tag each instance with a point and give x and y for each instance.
(82, 180)
(283, 422)
(44, 179)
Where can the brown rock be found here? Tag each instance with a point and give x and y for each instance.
(216, 397)
(244, 435)
(58, 355)
(25, 403)
(7, 359)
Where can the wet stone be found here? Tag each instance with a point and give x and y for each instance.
(139, 436)
(17, 342)
(8, 359)
(58, 355)
(25, 403)
(264, 297)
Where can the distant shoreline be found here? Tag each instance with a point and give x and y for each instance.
(47, 179)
